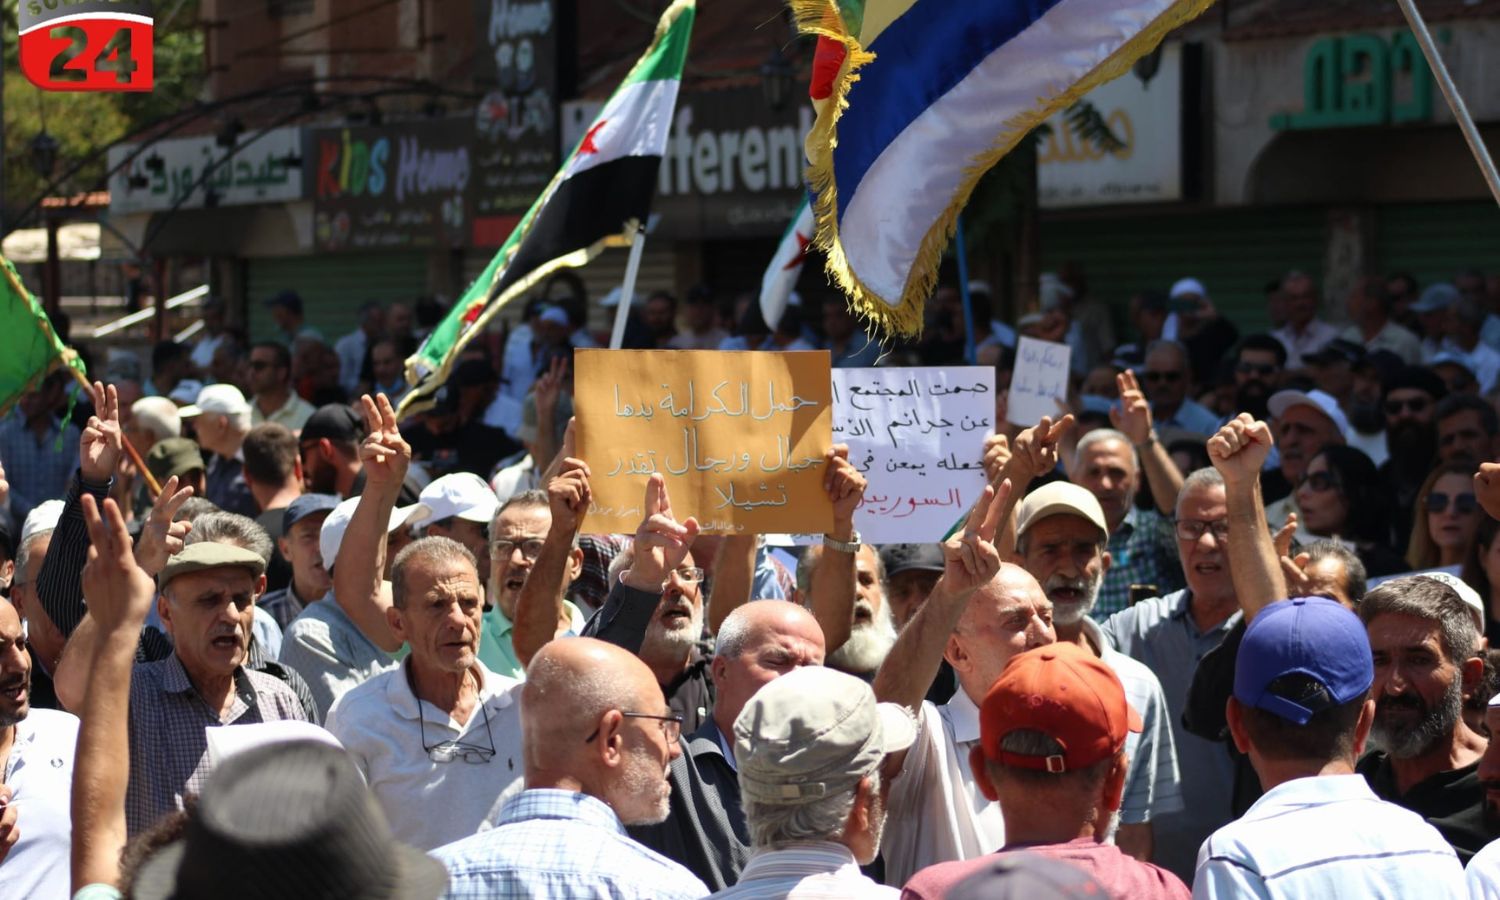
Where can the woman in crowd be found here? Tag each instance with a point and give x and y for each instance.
(1340, 497)
(1447, 516)
(1482, 573)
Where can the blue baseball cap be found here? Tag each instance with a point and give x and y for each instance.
(1311, 636)
(304, 506)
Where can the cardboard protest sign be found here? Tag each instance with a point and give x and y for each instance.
(1039, 381)
(739, 437)
(918, 435)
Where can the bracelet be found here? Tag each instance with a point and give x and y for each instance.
(850, 546)
(1147, 442)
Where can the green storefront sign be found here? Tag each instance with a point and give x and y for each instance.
(1361, 79)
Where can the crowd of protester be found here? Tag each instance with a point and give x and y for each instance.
(1221, 628)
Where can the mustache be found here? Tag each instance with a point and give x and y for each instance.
(1062, 582)
(1400, 702)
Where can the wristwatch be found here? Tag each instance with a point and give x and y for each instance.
(849, 546)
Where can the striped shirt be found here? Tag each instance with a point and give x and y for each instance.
(554, 843)
(168, 746)
(1152, 784)
(812, 870)
(1327, 836)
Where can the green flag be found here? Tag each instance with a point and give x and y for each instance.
(29, 348)
(604, 186)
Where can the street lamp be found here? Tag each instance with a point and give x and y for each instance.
(776, 79)
(44, 149)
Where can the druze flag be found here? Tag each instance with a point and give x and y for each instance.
(917, 99)
(602, 190)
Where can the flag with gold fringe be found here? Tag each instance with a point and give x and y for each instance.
(603, 188)
(916, 99)
(29, 348)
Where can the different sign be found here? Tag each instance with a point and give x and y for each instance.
(1146, 117)
(191, 173)
(738, 437)
(402, 185)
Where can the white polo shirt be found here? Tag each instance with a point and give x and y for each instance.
(431, 803)
(40, 774)
(1327, 836)
(935, 810)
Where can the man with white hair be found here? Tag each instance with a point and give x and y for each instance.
(221, 419)
(152, 419)
(44, 642)
(873, 631)
(1060, 539)
(810, 747)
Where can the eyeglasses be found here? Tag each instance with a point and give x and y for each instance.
(671, 726)
(1193, 529)
(1410, 404)
(1319, 481)
(530, 547)
(686, 575)
(448, 751)
(1465, 503)
(1168, 377)
(1249, 368)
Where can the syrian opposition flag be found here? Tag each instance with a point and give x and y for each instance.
(786, 266)
(603, 190)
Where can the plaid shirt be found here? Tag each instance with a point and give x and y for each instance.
(1143, 550)
(553, 843)
(168, 746)
(37, 469)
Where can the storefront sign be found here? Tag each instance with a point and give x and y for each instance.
(1147, 118)
(393, 186)
(1362, 79)
(191, 173)
(733, 167)
(516, 148)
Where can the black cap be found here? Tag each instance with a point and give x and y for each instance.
(905, 557)
(337, 422)
(473, 373)
(1420, 378)
(1339, 350)
(289, 299)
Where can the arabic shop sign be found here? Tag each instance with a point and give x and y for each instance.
(516, 122)
(1362, 79)
(195, 172)
(391, 186)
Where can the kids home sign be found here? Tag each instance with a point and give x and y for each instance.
(86, 45)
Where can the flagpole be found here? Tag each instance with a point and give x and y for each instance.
(970, 354)
(1450, 93)
(627, 290)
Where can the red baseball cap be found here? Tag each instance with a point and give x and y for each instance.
(1066, 693)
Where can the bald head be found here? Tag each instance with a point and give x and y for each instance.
(757, 643)
(1009, 615)
(594, 721)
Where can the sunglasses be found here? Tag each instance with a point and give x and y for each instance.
(1319, 481)
(1410, 404)
(1465, 503)
(1168, 377)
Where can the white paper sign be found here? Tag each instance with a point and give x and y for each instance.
(1039, 381)
(918, 435)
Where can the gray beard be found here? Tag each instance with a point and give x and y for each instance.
(661, 645)
(1408, 743)
(866, 648)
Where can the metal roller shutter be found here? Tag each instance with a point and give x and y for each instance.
(1435, 241)
(1233, 252)
(333, 287)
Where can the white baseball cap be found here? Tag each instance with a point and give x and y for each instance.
(1468, 595)
(1188, 286)
(1281, 401)
(462, 494)
(43, 517)
(217, 399)
(331, 535)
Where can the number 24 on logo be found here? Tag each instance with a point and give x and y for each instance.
(89, 55)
